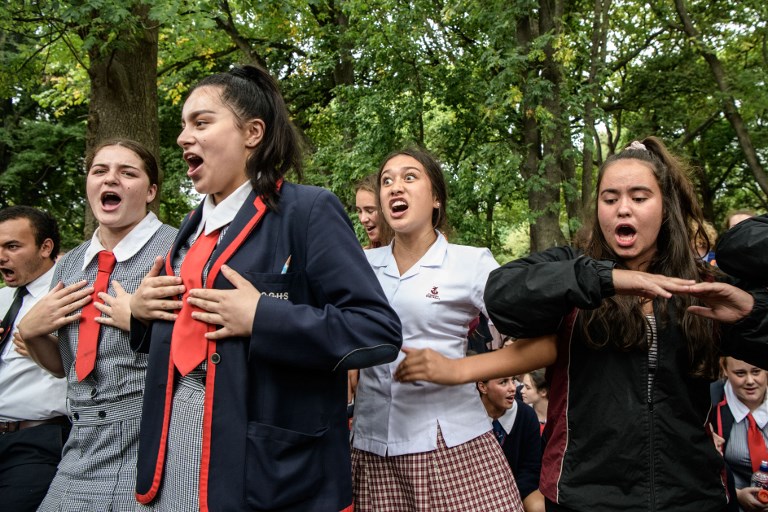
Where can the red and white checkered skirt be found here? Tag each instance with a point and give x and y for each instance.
(471, 477)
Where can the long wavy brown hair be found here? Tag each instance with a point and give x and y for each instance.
(620, 319)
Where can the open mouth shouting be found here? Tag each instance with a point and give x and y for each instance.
(626, 235)
(194, 161)
(110, 200)
(397, 207)
(8, 275)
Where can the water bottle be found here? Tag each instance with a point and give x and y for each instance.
(760, 480)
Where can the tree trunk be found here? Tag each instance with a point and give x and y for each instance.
(729, 103)
(123, 100)
(596, 59)
(559, 170)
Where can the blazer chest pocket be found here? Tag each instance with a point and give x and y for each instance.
(278, 286)
(283, 467)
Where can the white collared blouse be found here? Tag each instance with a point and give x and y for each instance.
(436, 300)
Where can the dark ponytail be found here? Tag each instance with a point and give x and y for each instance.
(251, 93)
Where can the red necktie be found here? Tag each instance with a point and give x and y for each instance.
(189, 346)
(88, 338)
(756, 443)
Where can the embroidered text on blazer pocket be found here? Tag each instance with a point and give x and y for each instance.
(283, 467)
(273, 285)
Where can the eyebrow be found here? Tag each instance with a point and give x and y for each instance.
(121, 165)
(639, 188)
(403, 168)
(197, 113)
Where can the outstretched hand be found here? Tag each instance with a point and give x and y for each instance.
(650, 286)
(722, 302)
(426, 364)
(234, 310)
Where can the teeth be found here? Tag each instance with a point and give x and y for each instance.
(398, 206)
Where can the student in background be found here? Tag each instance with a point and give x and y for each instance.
(516, 428)
(369, 213)
(535, 393)
(33, 408)
(740, 420)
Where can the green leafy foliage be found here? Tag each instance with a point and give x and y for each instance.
(365, 77)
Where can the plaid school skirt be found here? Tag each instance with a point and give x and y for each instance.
(470, 477)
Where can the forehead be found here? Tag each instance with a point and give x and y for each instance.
(499, 382)
(203, 99)
(401, 163)
(117, 155)
(364, 196)
(16, 229)
(628, 173)
(736, 364)
(735, 219)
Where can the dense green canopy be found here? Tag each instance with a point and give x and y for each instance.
(520, 100)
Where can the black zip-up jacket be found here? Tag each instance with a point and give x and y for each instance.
(743, 250)
(612, 445)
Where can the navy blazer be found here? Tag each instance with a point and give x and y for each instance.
(523, 448)
(275, 405)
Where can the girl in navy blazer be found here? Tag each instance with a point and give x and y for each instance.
(245, 406)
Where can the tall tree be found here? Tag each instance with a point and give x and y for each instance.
(730, 107)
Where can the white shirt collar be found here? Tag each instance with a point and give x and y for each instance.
(434, 257)
(130, 244)
(42, 284)
(740, 411)
(216, 216)
(508, 419)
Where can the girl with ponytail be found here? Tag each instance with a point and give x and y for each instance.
(252, 321)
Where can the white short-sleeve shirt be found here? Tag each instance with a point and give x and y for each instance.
(436, 300)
